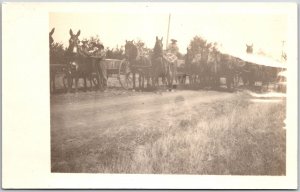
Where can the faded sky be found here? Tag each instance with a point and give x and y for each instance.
(233, 30)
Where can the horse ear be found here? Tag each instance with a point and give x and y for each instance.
(156, 38)
(161, 38)
(71, 32)
(126, 41)
(52, 31)
(78, 33)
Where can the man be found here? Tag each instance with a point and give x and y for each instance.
(85, 48)
(97, 50)
(173, 48)
(172, 52)
(140, 46)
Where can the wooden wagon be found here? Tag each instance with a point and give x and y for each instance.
(112, 68)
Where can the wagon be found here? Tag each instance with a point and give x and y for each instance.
(122, 70)
(126, 70)
(55, 70)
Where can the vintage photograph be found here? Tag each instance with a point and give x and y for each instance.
(149, 95)
(168, 93)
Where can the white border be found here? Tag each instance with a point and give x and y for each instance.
(26, 123)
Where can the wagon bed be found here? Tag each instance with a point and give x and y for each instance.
(112, 66)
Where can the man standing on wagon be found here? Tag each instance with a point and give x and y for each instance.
(173, 48)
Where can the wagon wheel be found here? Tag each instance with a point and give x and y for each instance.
(95, 80)
(125, 75)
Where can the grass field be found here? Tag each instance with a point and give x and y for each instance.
(203, 132)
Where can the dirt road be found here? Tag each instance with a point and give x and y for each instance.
(95, 109)
(137, 132)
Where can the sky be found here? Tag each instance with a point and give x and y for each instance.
(230, 30)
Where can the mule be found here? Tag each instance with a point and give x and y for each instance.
(161, 67)
(80, 66)
(52, 71)
(139, 64)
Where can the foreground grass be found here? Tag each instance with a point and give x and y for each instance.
(235, 137)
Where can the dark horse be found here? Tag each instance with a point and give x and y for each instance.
(80, 66)
(249, 70)
(52, 71)
(57, 61)
(253, 72)
(51, 40)
(160, 66)
(139, 64)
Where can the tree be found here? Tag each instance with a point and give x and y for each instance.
(57, 54)
(197, 44)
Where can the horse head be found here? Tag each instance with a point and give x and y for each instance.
(131, 51)
(158, 47)
(73, 42)
(51, 40)
(249, 48)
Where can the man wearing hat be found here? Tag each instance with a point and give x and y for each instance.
(85, 47)
(173, 48)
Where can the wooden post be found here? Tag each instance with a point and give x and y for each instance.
(168, 31)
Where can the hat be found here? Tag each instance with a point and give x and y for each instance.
(84, 41)
(99, 46)
(174, 40)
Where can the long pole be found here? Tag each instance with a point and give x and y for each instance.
(282, 52)
(168, 31)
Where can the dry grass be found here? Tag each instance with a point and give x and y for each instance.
(228, 137)
(226, 140)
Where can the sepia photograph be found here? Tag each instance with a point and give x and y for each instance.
(159, 94)
(166, 90)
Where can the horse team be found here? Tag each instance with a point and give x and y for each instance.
(204, 68)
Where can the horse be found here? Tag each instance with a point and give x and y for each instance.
(51, 40)
(192, 64)
(80, 66)
(56, 56)
(139, 64)
(52, 72)
(249, 70)
(161, 67)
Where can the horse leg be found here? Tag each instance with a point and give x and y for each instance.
(140, 81)
(229, 82)
(190, 79)
(143, 81)
(51, 83)
(70, 82)
(218, 80)
(52, 77)
(171, 79)
(91, 82)
(133, 79)
(148, 82)
(76, 82)
(155, 81)
(85, 85)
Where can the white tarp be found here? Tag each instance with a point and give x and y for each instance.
(256, 59)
